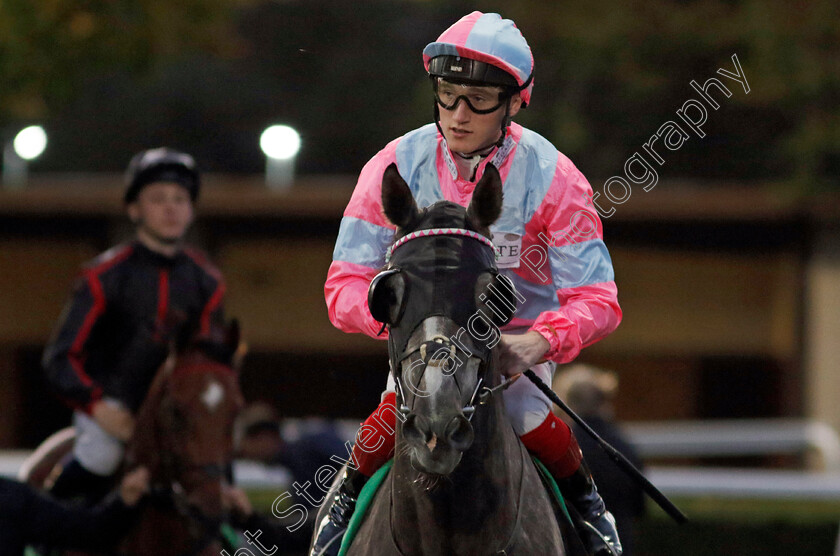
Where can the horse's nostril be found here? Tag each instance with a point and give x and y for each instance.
(411, 428)
(409, 423)
(459, 433)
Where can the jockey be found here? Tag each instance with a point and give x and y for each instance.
(549, 235)
(127, 305)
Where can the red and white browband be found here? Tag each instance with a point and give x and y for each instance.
(439, 232)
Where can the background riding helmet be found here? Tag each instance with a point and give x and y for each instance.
(483, 49)
(161, 164)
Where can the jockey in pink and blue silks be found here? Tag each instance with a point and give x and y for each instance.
(549, 236)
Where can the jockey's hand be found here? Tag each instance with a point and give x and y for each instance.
(114, 419)
(235, 499)
(134, 485)
(520, 352)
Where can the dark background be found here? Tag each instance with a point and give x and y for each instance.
(109, 78)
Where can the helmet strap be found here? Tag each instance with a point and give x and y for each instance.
(505, 122)
(437, 118)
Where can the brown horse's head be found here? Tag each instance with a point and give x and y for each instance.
(440, 297)
(184, 431)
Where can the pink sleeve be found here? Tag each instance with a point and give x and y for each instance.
(588, 314)
(581, 267)
(346, 292)
(359, 253)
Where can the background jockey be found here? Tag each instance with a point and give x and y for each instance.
(481, 72)
(127, 305)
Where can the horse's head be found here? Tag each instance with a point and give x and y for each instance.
(444, 300)
(184, 431)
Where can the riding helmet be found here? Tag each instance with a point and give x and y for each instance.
(161, 164)
(484, 49)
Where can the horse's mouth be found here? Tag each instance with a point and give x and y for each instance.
(434, 458)
(432, 443)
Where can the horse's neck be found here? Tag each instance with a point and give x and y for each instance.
(481, 495)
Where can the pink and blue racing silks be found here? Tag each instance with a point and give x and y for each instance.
(549, 235)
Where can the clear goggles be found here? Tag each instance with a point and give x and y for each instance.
(479, 99)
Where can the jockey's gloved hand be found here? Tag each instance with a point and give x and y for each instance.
(597, 531)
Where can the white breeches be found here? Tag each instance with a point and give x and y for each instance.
(96, 450)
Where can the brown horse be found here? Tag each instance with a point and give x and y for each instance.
(184, 436)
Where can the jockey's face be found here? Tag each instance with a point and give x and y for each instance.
(467, 131)
(163, 211)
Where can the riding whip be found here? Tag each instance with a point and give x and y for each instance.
(617, 457)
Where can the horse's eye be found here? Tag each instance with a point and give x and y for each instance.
(179, 417)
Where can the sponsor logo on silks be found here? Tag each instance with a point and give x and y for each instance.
(509, 247)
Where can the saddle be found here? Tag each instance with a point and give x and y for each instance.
(37, 469)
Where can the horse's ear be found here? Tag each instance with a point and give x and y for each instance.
(234, 342)
(397, 200)
(233, 334)
(486, 204)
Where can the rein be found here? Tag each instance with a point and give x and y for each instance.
(202, 529)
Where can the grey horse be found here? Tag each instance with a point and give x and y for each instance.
(461, 483)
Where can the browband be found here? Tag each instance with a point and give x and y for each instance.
(440, 232)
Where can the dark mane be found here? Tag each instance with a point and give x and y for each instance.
(219, 345)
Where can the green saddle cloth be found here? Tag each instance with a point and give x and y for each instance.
(372, 486)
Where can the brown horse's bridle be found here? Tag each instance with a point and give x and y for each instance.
(203, 529)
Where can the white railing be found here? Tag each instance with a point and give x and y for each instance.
(746, 483)
(740, 437)
(662, 440)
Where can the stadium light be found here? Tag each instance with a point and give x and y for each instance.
(280, 144)
(28, 144)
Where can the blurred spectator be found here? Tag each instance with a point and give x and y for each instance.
(260, 438)
(300, 450)
(589, 392)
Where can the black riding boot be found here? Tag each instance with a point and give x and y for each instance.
(597, 531)
(333, 526)
(77, 482)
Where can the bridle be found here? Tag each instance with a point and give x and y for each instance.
(202, 529)
(434, 232)
(440, 331)
(441, 334)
